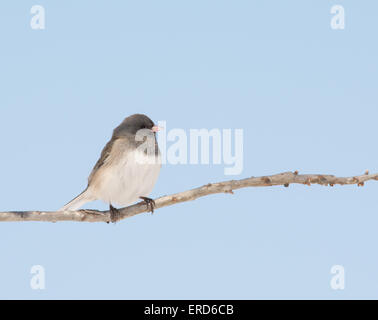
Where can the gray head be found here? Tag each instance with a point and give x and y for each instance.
(131, 125)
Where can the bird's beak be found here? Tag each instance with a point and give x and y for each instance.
(156, 128)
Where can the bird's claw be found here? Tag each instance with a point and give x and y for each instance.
(150, 203)
(114, 214)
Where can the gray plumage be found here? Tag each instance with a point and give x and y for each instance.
(128, 167)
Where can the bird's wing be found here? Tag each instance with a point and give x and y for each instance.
(104, 158)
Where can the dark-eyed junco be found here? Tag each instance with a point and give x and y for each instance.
(127, 169)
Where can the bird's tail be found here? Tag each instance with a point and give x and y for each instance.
(77, 202)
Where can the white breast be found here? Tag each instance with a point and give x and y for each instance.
(123, 182)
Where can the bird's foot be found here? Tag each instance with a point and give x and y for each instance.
(114, 214)
(150, 203)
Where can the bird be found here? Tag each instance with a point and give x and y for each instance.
(127, 169)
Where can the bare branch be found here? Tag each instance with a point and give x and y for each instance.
(284, 179)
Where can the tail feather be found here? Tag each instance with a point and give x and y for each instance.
(79, 201)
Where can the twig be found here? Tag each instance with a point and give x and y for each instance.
(284, 179)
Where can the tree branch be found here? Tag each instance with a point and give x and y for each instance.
(284, 179)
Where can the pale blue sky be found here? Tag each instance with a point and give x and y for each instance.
(305, 95)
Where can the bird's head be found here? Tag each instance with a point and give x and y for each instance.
(135, 123)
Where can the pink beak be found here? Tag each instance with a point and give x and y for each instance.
(156, 128)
